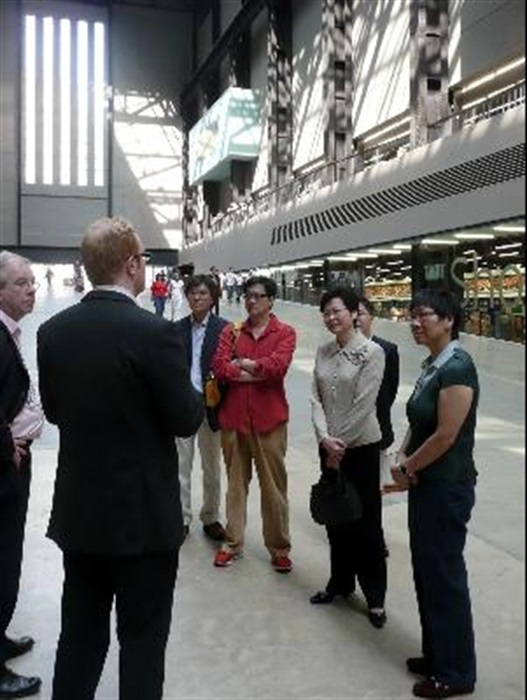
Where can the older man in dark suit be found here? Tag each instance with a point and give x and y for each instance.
(201, 331)
(114, 379)
(21, 421)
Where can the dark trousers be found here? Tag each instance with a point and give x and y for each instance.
(14, 496)
(438, 513)
(159, 305)
(357, 549)
(143, 588)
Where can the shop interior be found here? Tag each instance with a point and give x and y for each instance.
(485, 265)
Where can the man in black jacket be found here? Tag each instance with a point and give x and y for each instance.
(201, 331)
(21, 421)
(390, 380)
(389, 386)
(114, 379)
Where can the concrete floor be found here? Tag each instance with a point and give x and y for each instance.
(247, 632)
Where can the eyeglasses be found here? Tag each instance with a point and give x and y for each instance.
(145, 255)
(332, 312)
(26, 284)
(198, 293)
(421, 316)
(256, 296)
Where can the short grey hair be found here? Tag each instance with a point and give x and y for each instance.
(6, 259)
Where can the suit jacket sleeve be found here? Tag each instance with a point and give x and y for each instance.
(392, 373)
(14, 384)
(6, 440)
(45, 390)
(180, 406)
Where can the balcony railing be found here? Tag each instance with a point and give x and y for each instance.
(303, 186)
(497, 104)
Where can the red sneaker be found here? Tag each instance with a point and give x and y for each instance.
(225, 557)
(282, 564)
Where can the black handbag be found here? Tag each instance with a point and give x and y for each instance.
(334, 502)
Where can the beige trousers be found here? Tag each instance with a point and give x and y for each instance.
(267, 451)
(210, 453)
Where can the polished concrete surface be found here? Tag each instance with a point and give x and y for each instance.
(248, 632)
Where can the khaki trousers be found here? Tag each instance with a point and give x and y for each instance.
(268, 453)
(209, 449)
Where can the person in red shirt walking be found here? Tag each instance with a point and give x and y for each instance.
(252, 361)
(159, 290)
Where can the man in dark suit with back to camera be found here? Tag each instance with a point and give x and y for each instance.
(114, 379)
(21, 421)
(201, 331)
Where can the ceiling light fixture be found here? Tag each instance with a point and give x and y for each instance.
(509, 228)
(494, 74)
(474, 236)
(508, 245)
(440, 241)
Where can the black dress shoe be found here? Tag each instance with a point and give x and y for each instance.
(432, 688)
(419, 666)
(377, 619)
(17, 647)
(322, 598)
(14, 686)
(215, 531)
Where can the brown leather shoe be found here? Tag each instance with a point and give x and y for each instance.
(432, 688)
(215, 531)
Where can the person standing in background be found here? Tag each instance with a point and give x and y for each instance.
(159, 291)
(215, 274)
(21, 422)
(78, 276)
(176, 296)
(230, 284)
(114, 379)
(388, 389)
(49, 276)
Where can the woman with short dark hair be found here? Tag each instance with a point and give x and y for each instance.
(347, 376)
(436, 464)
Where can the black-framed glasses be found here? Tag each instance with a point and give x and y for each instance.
(256, 296)
(421, 315)
(26, 284)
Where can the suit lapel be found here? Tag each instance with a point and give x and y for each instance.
(209, 345)
(187, 338)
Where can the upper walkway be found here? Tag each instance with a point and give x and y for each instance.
(246, 632)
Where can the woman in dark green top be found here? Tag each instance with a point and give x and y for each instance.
(436, 464)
